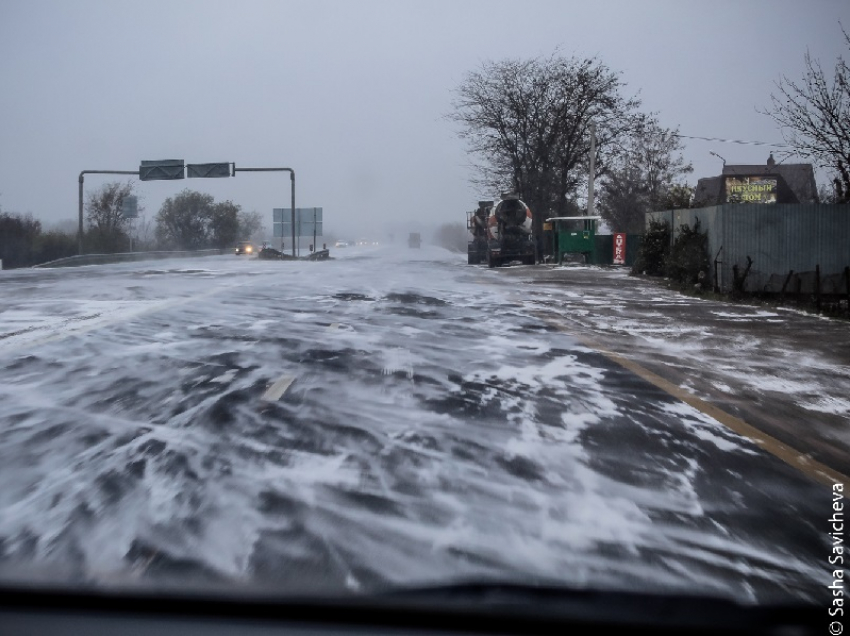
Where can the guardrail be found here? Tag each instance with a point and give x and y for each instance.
(127, 257)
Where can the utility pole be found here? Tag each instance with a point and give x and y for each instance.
(592, 175)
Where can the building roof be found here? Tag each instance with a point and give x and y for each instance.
(709, 191)
(800, 178)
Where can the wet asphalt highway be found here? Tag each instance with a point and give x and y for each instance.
(389, 418)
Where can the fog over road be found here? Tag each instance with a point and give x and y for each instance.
(391, 417)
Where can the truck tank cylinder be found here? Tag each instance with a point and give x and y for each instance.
(511, 212)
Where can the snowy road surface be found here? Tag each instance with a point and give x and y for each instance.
(391, 417)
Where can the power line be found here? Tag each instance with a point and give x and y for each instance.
(733, 141)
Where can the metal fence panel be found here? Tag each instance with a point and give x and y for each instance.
(778, 238)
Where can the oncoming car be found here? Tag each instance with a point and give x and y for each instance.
(244, 248)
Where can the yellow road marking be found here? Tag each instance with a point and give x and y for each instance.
(821, 473)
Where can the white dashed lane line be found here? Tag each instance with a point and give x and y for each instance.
(280, 386)
(276, 390)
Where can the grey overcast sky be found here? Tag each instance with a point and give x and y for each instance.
(352, 94)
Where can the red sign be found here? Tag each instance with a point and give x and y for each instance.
(619, 249)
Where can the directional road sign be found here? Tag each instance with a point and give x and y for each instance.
(130, 207)
(207, 170)
(168, 169)
(308, 222)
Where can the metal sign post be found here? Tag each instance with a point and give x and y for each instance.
(292, 179)
(130, 211)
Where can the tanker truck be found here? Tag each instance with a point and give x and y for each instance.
(476, 223)
(501, 232)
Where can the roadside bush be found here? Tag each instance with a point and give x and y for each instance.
(688, 261)
(18, 234)
(106, 241)
(53, 245)
(23, 243)
(652, 255)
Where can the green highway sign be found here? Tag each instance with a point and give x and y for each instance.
(167, 169)
(208, 170)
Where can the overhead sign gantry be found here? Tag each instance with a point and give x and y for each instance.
(173, 169)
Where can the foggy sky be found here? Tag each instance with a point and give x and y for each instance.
(352, 95)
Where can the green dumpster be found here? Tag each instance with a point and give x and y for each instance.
(574, 236)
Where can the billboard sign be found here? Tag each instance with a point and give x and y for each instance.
(751, 189)
(619, 248)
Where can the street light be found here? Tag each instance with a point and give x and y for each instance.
(711, 152)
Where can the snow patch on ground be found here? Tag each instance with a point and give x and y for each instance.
(444, 434)
(747, 316)
(709, 429)
(837, 406)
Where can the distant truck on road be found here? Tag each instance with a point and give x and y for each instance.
(414, 240)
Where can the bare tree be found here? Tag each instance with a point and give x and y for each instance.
(644, 176)
(678, 197)
(527, 121)
(107, 227)
(65, 226)
(814, 116)
(624, 199)
(224, 224)
(193, 220)
(183, 220)
(144, 233)
(250, 225)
